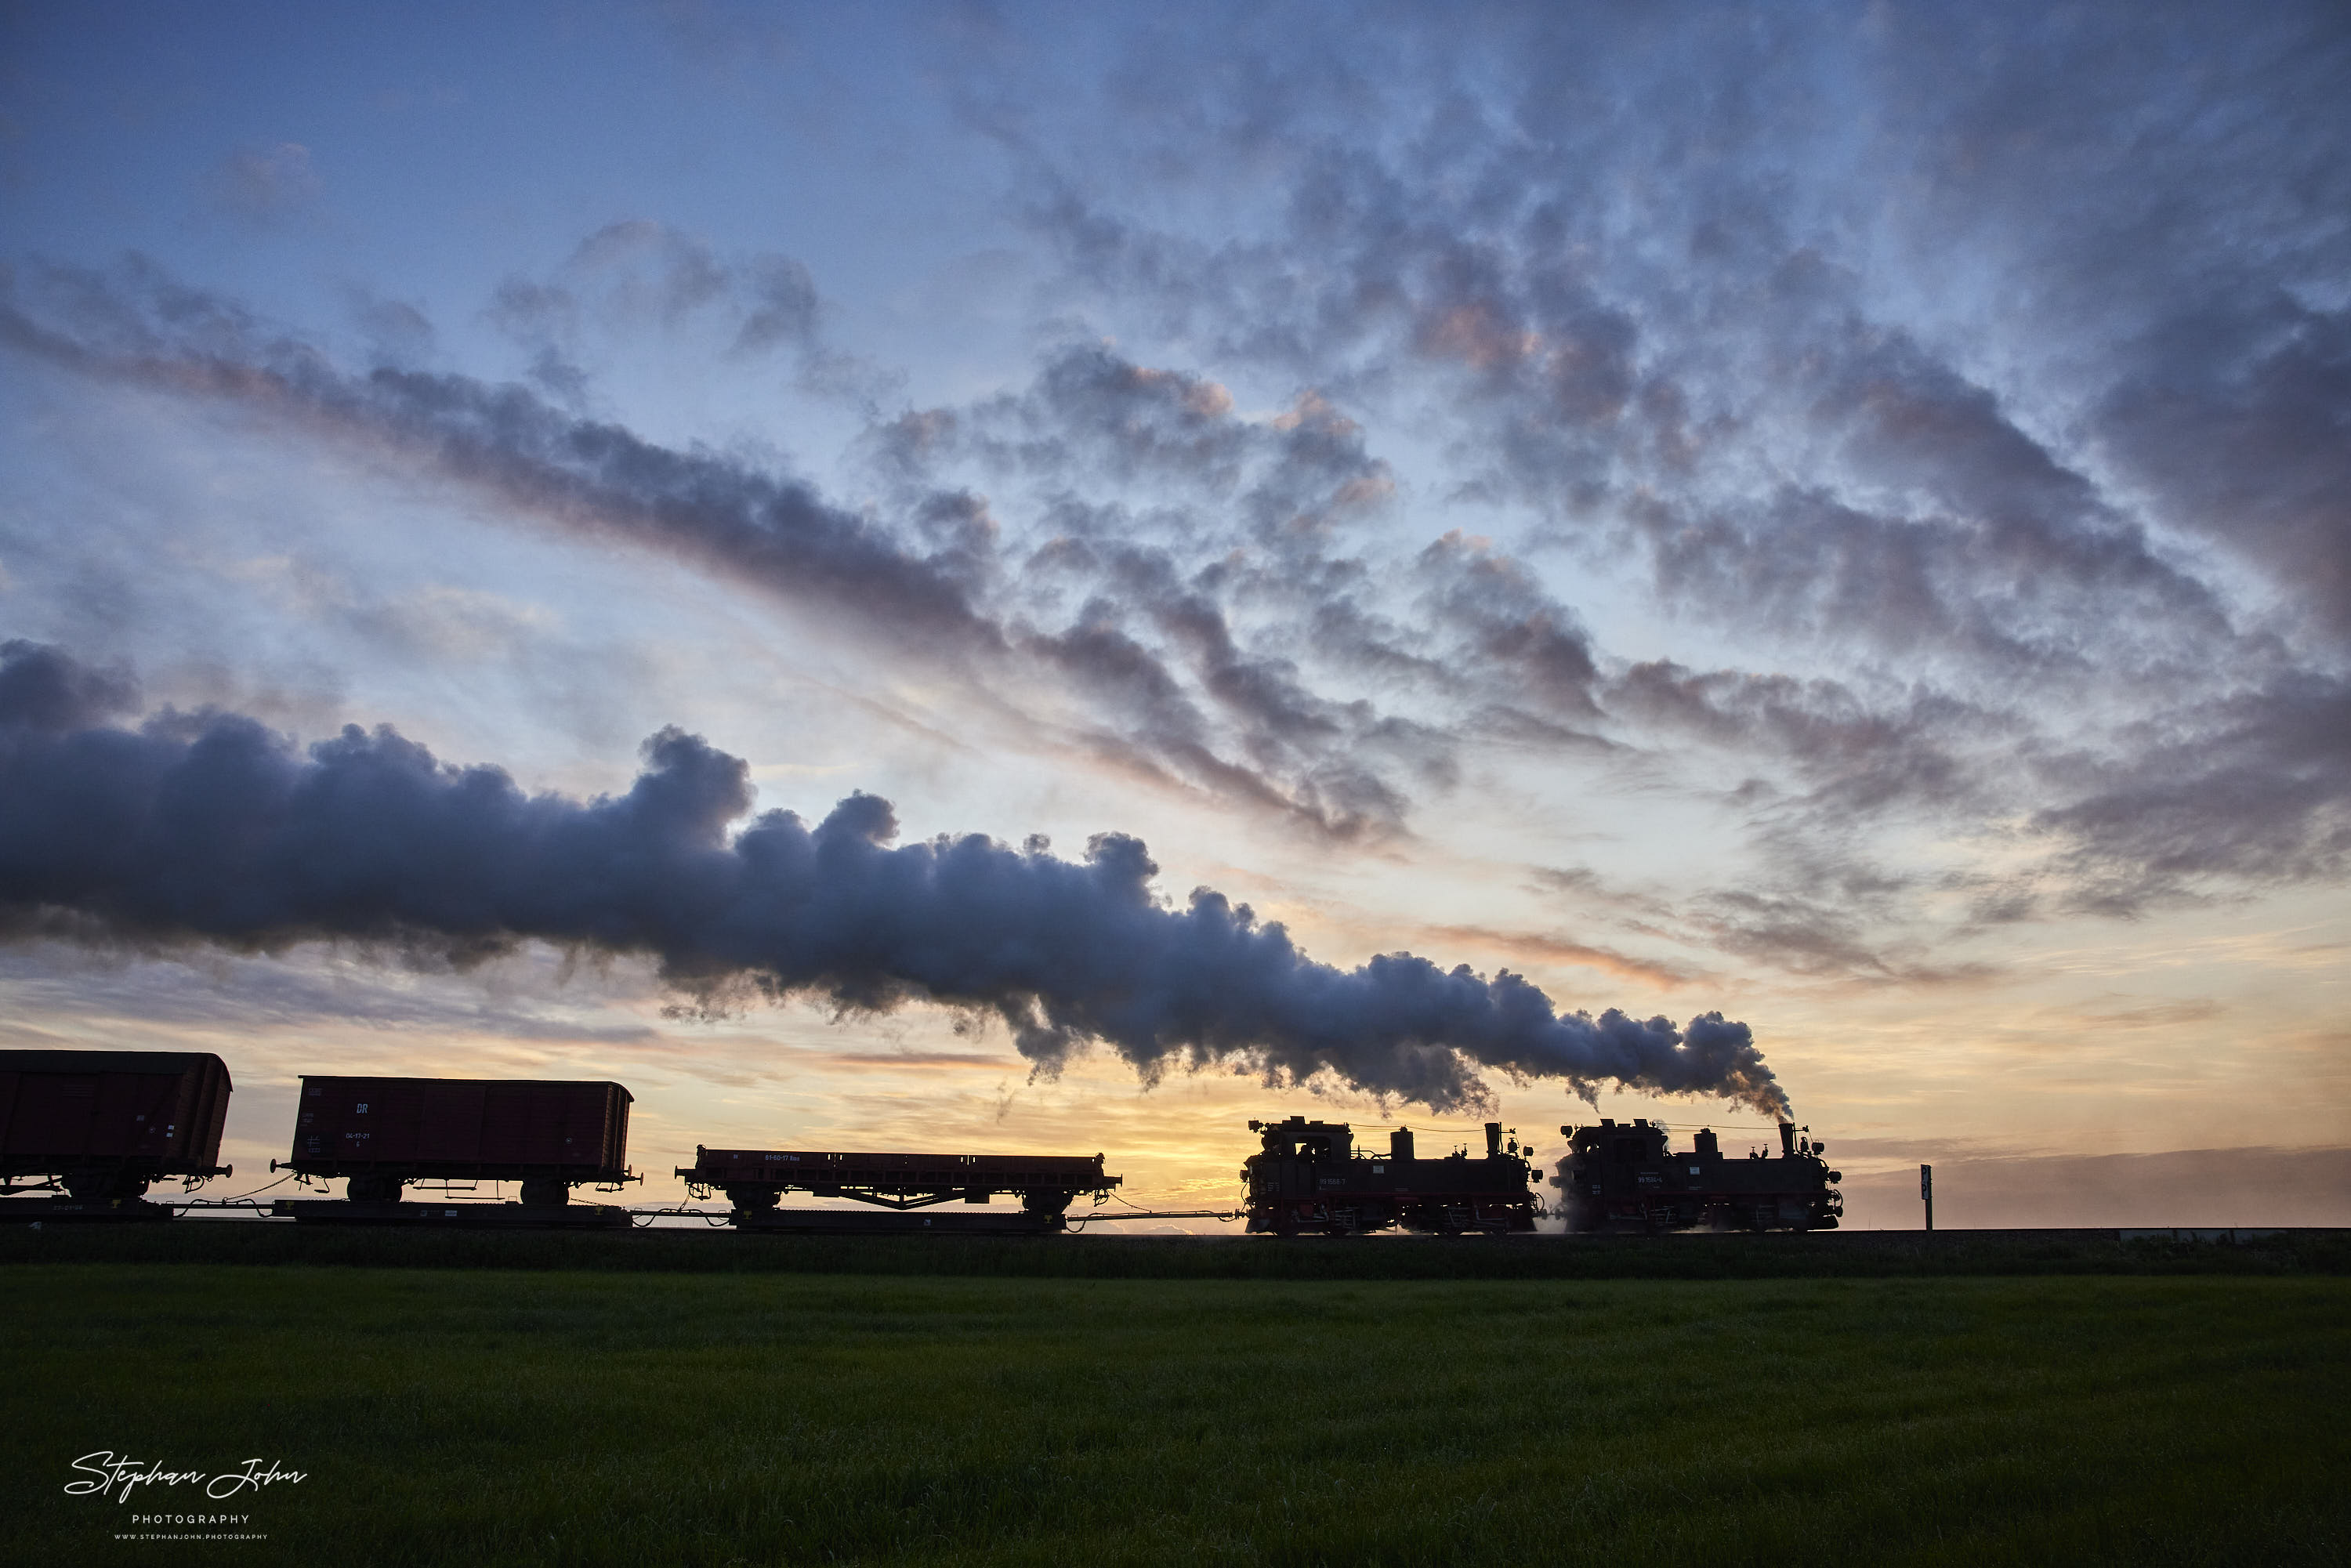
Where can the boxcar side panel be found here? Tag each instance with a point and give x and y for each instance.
(451, 1119)
(159, 1111)
(459, 1127)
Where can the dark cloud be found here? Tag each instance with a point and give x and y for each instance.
(43, 690)
(209, 829)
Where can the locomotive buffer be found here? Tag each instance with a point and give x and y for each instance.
(899, 1184)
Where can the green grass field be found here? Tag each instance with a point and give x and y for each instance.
(445, 1415)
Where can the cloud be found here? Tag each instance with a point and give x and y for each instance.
(1563, 950)
(2241, 430)
(932, 587)
(1215, 600)
(261, 184)
(2250, 788)
(1984, 371)
(637, 276)
(211, 830)
(42, 688)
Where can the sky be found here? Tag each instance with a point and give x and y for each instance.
(1059, 577)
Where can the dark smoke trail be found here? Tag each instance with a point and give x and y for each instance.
(210, 828)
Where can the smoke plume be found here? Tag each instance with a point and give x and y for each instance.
(212, 828)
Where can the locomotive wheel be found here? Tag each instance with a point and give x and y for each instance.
(1285, 1223)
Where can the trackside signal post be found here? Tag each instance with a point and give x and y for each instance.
(1927, 1192)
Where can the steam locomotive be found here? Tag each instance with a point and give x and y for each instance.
(1310, 1179)
(1623, 1178)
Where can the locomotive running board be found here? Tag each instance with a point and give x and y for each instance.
(477, 1216)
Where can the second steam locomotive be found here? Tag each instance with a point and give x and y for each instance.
(1625, 1178)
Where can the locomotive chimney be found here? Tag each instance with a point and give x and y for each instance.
(1787, 1140)
(1707, 1146)
(1493, 1140)
(1400, 1144)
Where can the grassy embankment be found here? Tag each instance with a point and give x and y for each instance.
(631, 1416)
(1835, 1254)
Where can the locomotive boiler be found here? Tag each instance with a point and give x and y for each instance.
(1310, 1178)
(1624, 1178)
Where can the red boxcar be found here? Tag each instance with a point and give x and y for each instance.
(104, 1123)
(384, 1132)
(754, 1178)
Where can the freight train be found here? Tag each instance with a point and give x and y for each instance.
(1623, 1178)
(101, 1126)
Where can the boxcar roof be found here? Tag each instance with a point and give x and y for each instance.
(106, 1061)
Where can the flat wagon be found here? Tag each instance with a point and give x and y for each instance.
(754, 1181)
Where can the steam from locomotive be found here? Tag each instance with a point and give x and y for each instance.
(210, 828)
